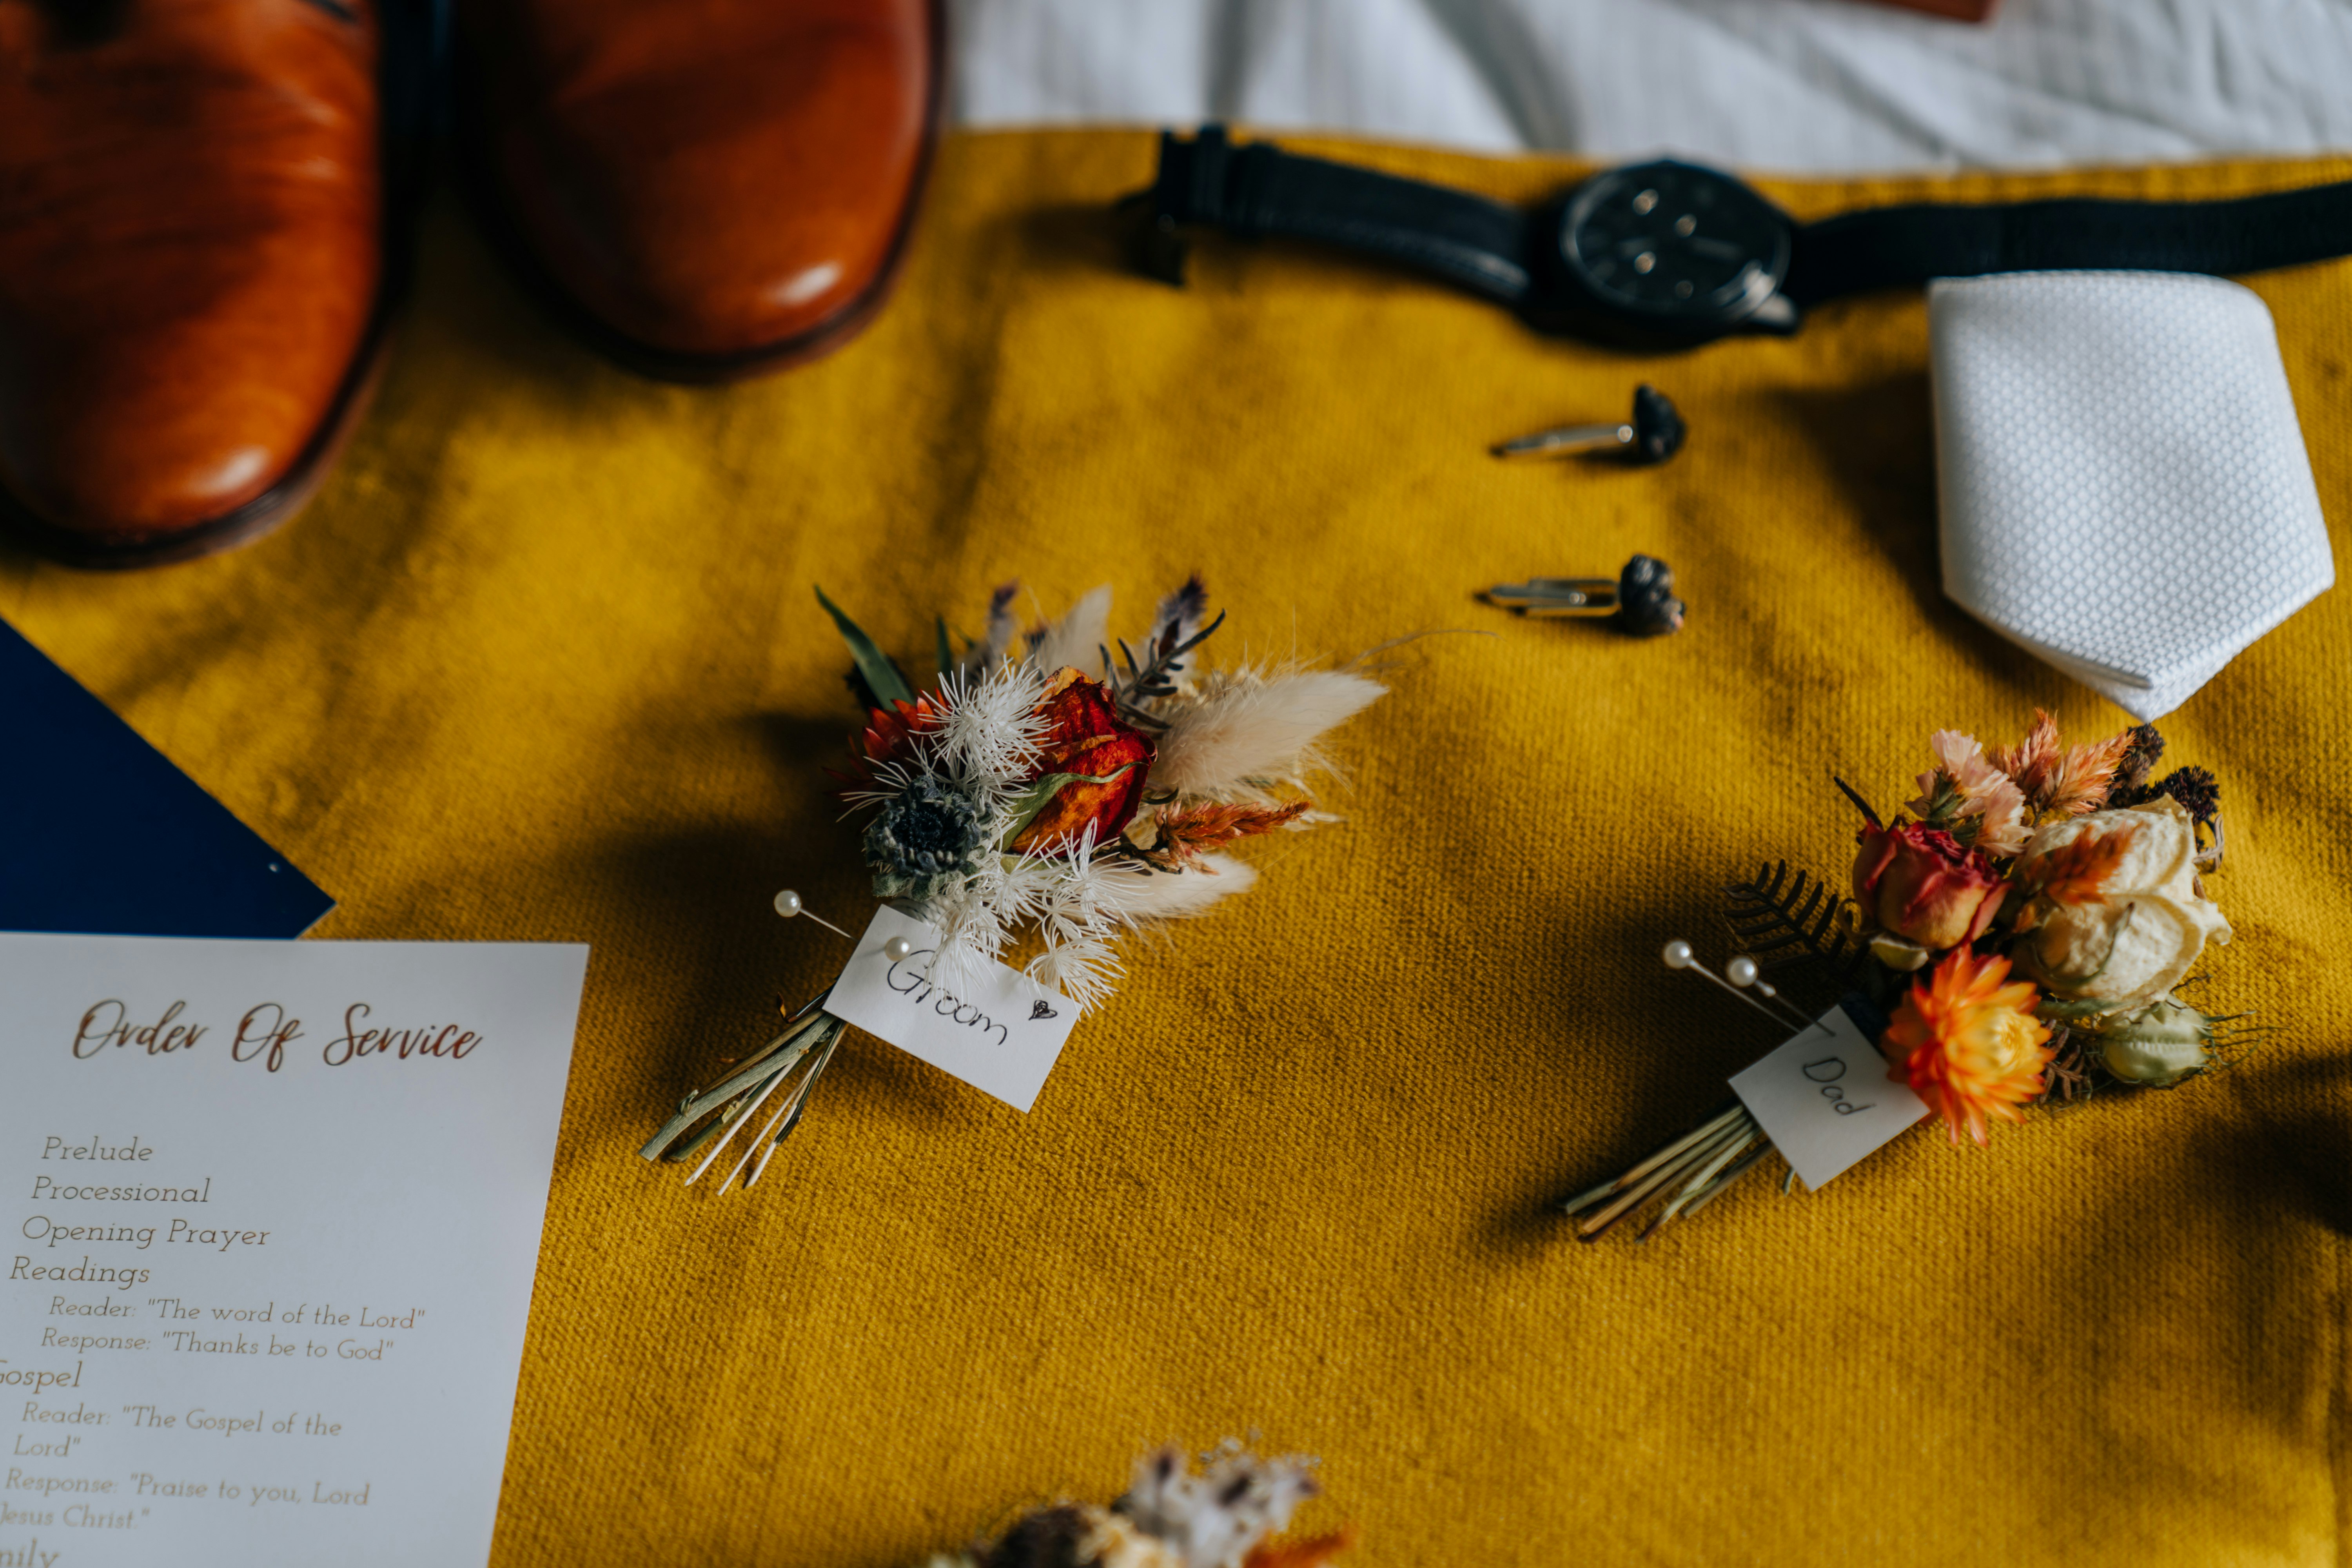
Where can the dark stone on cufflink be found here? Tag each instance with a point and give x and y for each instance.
(1658, 428)
(1646, 606)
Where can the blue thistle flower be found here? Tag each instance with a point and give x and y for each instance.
(927, 836)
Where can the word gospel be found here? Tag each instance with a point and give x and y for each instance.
(263, 1033)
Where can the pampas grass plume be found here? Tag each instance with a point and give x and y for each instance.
(1158, 896)
(1076, 639)
(1247, 729)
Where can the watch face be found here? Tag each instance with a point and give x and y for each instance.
(1675, 242)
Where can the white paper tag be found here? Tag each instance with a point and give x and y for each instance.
(1825, 1101)
(998, 1030)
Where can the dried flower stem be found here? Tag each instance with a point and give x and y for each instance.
(1723, 1120)
(809, 1036)
(1705, 1161)
(1737, 1169)
(1732, 1148)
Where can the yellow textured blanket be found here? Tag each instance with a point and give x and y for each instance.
(544, 663)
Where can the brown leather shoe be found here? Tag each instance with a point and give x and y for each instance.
(191, 266)
(705, 189)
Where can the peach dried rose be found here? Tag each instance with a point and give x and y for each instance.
(1918, 883)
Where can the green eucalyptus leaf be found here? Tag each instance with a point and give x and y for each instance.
(947, 659)
(882, 676)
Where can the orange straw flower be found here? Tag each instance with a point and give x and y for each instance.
(1969, 1045)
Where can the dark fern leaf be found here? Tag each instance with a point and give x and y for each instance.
(1787, 920)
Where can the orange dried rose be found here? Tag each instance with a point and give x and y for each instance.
(1102, 761)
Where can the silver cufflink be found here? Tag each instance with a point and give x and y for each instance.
(1640, 602)
(1652, 434)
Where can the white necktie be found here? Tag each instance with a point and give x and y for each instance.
(2124, 489)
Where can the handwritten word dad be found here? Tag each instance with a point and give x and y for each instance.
(263, 1034)
(1826, 1072)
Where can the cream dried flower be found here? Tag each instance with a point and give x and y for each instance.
(1211, 1519)
(2125, 915)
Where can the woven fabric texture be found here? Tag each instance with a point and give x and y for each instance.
(2139, 420)
(542, 663)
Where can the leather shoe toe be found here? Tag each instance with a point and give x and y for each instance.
(710, 189)
(191, 258)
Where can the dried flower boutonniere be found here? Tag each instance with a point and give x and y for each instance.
(1040, 798)
(2019, 941)
(1222, 1516)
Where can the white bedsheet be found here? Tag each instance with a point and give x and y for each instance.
(1788, 85)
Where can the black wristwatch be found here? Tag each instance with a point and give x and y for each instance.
(1669, 254)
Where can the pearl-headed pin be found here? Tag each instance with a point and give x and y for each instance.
(1744, 980)
(788, 904)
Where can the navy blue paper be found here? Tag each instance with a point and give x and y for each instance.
(101, 834)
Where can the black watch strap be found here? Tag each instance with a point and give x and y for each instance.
(1260, 189)
(1882, 247)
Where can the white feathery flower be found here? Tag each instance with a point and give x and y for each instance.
(1085, 970)
(1001, 896)
(1249, 727)
(959, 963)
(1079, 895)
(972, 928)
(1019, 886)
(991, 731)
(1078, 919)
(979, 915)
(1212, 1518)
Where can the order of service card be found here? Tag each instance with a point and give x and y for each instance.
(272, 1214)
